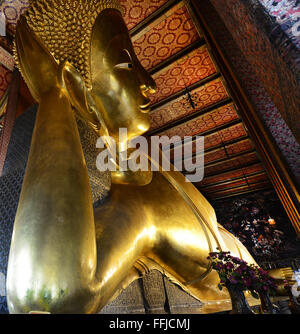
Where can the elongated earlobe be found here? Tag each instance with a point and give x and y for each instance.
(71, 80)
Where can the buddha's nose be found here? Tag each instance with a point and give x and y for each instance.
(148, 85)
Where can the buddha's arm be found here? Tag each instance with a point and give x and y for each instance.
(53, 252)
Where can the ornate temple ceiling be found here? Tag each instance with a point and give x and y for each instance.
(192, 98)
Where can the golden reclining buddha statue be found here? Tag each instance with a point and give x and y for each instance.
(66, 256)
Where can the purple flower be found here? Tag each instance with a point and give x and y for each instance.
(219, 266)
(243, 267)
(239, 270)
(247, 282)
(232, 280)
(237, 260)
(229, 266)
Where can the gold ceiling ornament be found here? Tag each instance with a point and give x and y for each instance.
(65, 28)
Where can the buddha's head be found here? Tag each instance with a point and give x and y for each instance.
(90, 40)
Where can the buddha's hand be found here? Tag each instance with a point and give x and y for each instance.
(42, 73)
(37, 65)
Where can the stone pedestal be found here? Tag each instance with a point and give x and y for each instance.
(153, 294)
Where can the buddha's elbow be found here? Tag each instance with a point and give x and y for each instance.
(51, 289)
(50, 299)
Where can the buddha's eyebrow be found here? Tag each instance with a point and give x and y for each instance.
(128, 53)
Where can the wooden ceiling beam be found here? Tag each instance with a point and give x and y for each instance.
(233, 169)
(234, 156)
(240, 186)
(241, 169)
(248, 191)
(220, 146)
(214, 163)
(233, 179)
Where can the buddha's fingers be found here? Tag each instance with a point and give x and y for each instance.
(36, 64)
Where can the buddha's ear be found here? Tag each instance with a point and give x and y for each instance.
(79, 95)
(35, 62)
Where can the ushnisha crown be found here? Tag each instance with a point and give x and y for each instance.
(65, 28)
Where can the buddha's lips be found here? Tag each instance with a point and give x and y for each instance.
(145, 110)
(145, 107)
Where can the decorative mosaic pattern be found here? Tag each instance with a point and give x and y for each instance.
(267, 47)
(205, 95)
(135, 11)
(287, 15)
(18, 148)
(204, 122)
(252, 84)
(5, 79)
(258, 49)
(164, 37)
(186, 71)
(3, 305)
(254, 45)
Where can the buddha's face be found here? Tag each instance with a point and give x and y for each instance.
(120, 85)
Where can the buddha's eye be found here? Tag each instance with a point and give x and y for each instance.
(124, 66)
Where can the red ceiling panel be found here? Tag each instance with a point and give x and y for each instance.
(164, 37)
(135, 11)
(188, 70)
(204, 122)
(241, 146)
(207, 95)
(216, 138)
(225, 135)
(214, 155)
